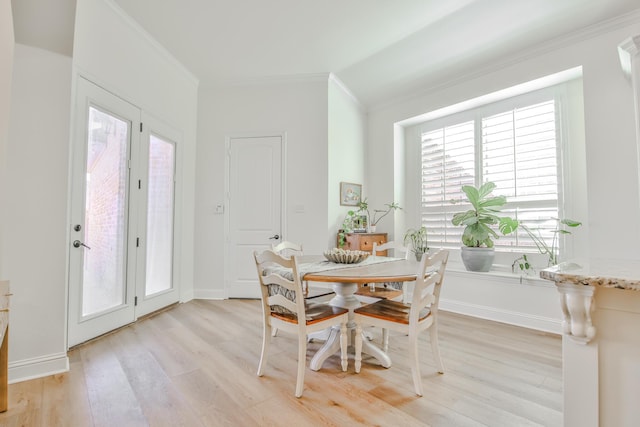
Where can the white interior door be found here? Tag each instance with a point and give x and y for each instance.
(102, 253)
(254, 213)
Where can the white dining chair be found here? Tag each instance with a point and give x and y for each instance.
(385, 290)
(287, 248)
(420, 315)
(284, 307)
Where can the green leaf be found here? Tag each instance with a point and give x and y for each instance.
(486, 189)
(472, 194)
(571, 223)
(508, 225)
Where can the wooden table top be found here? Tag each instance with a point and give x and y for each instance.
(392, 271)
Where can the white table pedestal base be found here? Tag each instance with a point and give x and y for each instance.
(345, 298)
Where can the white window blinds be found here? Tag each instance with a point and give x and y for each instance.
(516, 148)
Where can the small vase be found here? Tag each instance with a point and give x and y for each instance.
(372, 229)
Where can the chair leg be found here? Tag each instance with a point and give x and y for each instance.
(433, 334)
(385, 339)
(358, 345)
(415, 366)
(266, 340)
(302, 364)
(343, 346)
(274, 331)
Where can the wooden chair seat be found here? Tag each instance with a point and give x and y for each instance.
(393, 311)
(314, 313)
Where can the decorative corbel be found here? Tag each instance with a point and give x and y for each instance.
(577, 305)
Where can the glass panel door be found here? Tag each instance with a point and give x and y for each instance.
(160, 202)
(104, 269)
(102, 235)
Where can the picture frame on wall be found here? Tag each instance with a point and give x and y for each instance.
(350, 194)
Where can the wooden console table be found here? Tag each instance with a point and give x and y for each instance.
(364, 241)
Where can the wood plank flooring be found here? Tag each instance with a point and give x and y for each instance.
(195, 365)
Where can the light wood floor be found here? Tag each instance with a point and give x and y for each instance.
(195, 365)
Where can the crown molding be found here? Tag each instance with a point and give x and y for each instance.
(551, 45)
(133, 24)
(627, 51)
(346, 91)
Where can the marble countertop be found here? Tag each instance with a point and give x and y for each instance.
(609, 273)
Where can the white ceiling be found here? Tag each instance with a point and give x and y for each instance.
(380, 49)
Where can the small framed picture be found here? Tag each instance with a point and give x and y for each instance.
(350, 194)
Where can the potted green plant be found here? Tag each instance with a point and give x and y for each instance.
(378, 214)
(550, 250)
(348, 225)
(418, 240)
(477, 237)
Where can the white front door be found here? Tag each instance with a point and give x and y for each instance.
(254, 213)
(102, 253)
(121, 261)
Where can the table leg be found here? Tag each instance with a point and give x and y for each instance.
(345, 298)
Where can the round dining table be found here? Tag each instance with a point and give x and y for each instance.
(345, 281)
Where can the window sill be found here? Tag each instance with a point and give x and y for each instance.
(500, 273)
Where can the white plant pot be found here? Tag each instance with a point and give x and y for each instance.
(477, 259)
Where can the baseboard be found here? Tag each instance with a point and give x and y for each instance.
(28, 369)
(546, 324)
(209, 294)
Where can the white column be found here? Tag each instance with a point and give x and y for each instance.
(629, 52)
(579, 356)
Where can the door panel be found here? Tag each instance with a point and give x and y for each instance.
(101, 288)
(254, 214)
(157, 284)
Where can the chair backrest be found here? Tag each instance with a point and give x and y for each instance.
(426, 292)
(400, 250)
(287, 248)
(280, 284)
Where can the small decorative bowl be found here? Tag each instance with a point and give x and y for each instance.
(343, 256)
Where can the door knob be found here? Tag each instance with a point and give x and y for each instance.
(78, 243)
(274, 237)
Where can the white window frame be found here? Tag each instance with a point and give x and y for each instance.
(566, 88)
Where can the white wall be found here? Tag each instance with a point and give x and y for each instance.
(297, 107)
(37, 169)
(6, 70)
(611, 160)
(347, 152)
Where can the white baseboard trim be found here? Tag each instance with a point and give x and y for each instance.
(546, 324)
(28, 369)
(209, 294)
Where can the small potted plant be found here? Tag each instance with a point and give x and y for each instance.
(418, 240)
(477, 238)
(550, 250)
(378, 214)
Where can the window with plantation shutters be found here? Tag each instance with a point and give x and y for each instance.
(515, 147)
